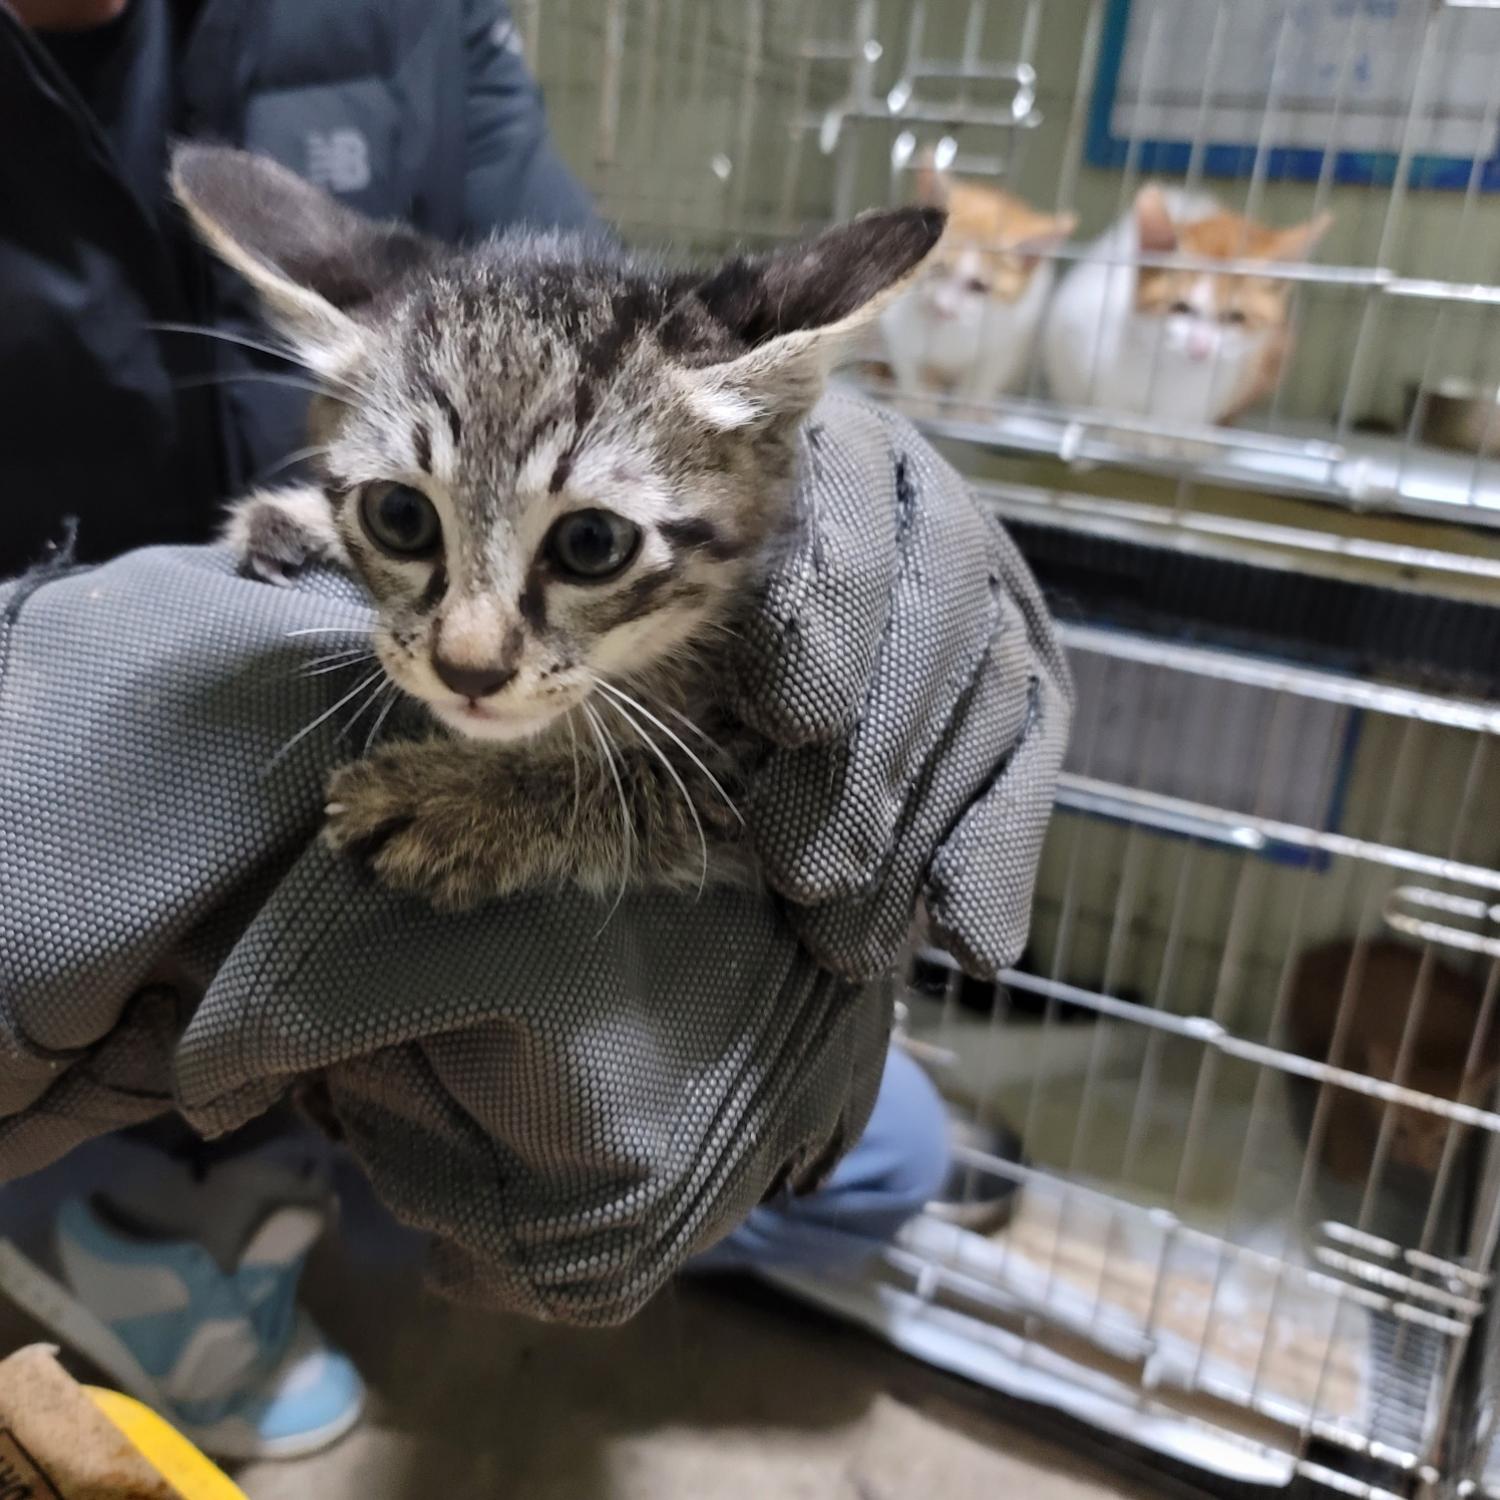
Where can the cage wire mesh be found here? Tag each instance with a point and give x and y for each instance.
(1250, 1055)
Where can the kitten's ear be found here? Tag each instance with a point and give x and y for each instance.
(796, 306)
(1298, 242)
(1153, 221)
(313, 261)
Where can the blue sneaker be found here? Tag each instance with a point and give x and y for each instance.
(226, 1355)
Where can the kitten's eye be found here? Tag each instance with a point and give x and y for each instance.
(978, 285)
(592, 544)
(1181, 307)
(1232, 315)
(400, 520)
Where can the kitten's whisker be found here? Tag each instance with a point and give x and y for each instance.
(269, 376)
(294, 457)
(601, 736)
(683, 719)
(325, 630)
(577, 780)
(393, 692)
(327, 713)
(671, 770)
(343, 651)
(372, 697)
(279, 351)
(352, 654)
(722, 629)
(338, 666)
(677, 739)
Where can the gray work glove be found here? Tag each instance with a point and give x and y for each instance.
(572, 1100)
(904, 666)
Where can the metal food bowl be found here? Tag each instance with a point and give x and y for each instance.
(1457, 414)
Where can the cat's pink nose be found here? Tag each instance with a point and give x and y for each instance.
(472, 682)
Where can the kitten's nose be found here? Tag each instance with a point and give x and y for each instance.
(472, 682)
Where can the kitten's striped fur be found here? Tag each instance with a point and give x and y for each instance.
(510, 386)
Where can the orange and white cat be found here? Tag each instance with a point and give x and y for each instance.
(968, 327)
(1179, 345)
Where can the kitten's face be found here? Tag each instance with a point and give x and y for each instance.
(1208, 317)
(535, 496)
(967, 276)
(554, 464)
(990, 251)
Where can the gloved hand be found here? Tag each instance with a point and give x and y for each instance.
(905, 671)
(572, 1100)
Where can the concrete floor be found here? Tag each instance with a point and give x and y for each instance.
(711, 1394)
(716, 1392)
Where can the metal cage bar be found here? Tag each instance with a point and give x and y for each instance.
(1196, 1260)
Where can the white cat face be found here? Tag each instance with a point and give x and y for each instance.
(1195, 327)
(1197, 333)
(963, 286)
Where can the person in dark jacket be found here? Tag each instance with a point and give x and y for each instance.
(109, 412)
(137, 393)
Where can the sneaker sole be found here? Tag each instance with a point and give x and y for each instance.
(236, 1440)
(53, 1306)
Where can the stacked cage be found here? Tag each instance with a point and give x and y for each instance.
(1245, 1073)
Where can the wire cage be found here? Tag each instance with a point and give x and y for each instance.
(1251, 1053)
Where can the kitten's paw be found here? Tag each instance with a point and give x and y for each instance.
(277, 533)
(384, 812)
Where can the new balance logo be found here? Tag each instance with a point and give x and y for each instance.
(505, 37)
(338, 160)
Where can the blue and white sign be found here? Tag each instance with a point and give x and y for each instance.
(1295, 79)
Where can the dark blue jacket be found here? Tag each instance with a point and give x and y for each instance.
(421, 109)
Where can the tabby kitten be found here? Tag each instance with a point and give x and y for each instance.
(968, 325)
(1180, 345)
(559, 470)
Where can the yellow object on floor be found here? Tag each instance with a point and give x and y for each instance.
(192, 1475)
(72, 1442)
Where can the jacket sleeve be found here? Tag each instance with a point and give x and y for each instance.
(513, 174)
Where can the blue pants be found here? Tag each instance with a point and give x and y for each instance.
(897, 1165)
